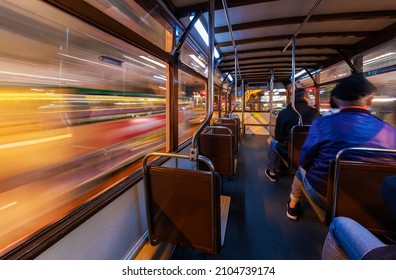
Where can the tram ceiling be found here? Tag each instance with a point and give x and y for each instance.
(262, 30)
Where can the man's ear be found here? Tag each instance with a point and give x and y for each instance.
(369, 100)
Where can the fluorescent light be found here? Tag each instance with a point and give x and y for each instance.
(197, 60)
(153, 61)
(300, 73)
(202, 31)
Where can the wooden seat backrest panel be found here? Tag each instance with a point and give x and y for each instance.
(180, 206)
(219, 149)
(296, 141)
(359, 195)
(232, 124)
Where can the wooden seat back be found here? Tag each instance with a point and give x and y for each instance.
(216, 143)
(297, 137)
(238, 120)
(354, 191)
(183, 207)
(232, 124)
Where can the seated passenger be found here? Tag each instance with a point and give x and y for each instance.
(287, 118)
(353, 126)
(347, 239)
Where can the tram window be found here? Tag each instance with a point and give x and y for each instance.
(324, 97)
(191, 105)
(130, 14)
(336, 72)
(380, 57)
(384, 102)
(66, 117)
(193, 59)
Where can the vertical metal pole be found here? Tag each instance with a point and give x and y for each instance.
(300, 122)
(236, 77)
(293, 72)
(243, 107)
(271, 93)
(211, 60)
(209, 101)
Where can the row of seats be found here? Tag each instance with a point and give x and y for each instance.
(354, 186)
(220, 143)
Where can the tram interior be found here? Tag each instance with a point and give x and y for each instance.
(88, 88)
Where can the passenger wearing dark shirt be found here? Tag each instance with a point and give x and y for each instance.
(287, 118)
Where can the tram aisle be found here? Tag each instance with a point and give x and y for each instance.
(257, 227)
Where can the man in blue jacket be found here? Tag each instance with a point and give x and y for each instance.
(353, 126)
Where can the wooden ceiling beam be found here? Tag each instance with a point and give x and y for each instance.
(313, 18)
(301, 35)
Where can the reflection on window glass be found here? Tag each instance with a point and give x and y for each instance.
(336, 72)
(380, 57)
(194, 59)
(324, 97)
(191, 105)
(73, 109)
(133, 16)
(384, 102)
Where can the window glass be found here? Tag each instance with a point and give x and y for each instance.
(384, 102)
(133, 16)
(380, 57)
(194, 59)
(324, 97)
(73, 108)
(191, 104)
(336, 72)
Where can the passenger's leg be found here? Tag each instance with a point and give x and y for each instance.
(332, 250)
(293, 209)
(298, 183)
(352, 238)
(272, 157)
(296, 192)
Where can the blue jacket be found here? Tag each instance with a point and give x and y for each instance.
(351, 127)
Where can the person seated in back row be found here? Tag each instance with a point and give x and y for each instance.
(287, 118)
(353, 126)
(349, 240)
